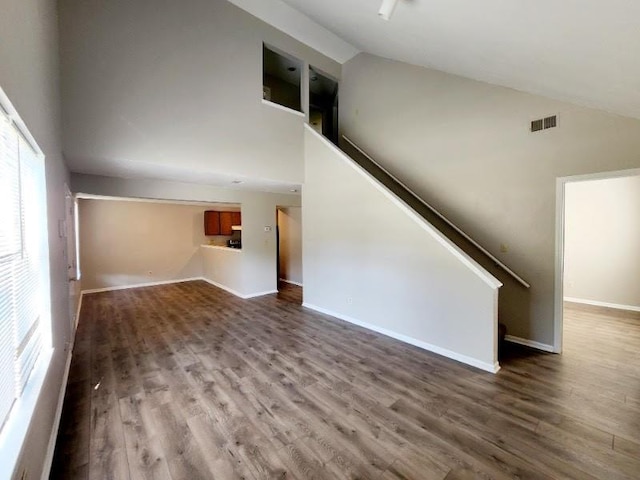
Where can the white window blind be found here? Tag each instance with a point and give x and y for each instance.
(23, 263)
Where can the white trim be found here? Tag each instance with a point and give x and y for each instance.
(470, 263)
(259, 294)
(232, 206)
(16, 428)
(632, 172)
(596, 303)
(560, 221)
(77, 320)
(222, 247)
(530, 343)
(559, 268)
(235, 292)
(282, 107)
(48, 459)
(223, 287)
(139, 285)
(13, 116)
(291, 282)
(182, 280)
(487, 367)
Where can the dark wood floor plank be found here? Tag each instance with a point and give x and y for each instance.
(186, 381)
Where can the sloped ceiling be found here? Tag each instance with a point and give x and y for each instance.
(582, 51)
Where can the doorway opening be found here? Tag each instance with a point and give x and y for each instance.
(323, 104)
(289, 252)
(597, 258)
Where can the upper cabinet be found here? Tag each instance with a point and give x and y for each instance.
(220, 223)
(225, 223)
(211, 223)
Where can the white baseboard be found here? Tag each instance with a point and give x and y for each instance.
(487, 367)
(140, 285)
(259, 294)
(181, 280)
(291, 282)
(529, 343)
(596, 303)
(223, 287)
(235, 292)
(77, 319)
(51, 447)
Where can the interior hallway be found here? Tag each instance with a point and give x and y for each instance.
(186, 381)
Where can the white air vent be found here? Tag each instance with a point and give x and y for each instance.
(544, 123)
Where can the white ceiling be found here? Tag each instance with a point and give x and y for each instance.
(582, 51)
(178, 173)
(231, 207)
(281, 16)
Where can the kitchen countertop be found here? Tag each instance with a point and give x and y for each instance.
(222, 247)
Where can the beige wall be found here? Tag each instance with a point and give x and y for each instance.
(29, 76)
(258, 217)
(417, 287)
(224, 268)
(175, 87)
(290, 229)
(465, 147)
(128, 243)
(602, 241)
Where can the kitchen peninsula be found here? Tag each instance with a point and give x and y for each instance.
(223, 267)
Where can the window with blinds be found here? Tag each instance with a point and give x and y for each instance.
(24, 295)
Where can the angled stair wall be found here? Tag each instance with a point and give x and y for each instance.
(371, 260)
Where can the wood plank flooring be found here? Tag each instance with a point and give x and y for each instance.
(186, 381)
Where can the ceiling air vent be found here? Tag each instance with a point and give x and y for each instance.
(544, 123)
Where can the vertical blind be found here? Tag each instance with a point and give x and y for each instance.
(23, 257)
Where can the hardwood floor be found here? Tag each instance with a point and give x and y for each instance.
(186, 381)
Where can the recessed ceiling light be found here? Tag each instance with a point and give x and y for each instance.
(292, 69)
(236, 181)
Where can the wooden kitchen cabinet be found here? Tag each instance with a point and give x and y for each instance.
(225, 223)
(211, 223)
(220, 223)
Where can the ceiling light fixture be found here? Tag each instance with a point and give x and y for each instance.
(387, 8)
(236, 181)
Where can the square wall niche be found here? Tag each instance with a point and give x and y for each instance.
(281, 78)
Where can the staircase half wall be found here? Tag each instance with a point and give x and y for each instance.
(370, 260)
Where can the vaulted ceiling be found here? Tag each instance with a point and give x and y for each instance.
(582, 51)
(139, 102)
